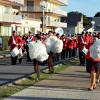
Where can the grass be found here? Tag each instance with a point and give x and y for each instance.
(8, 90)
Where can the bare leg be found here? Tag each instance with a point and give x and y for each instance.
(98, 75)
(37, 69)
(93, 80)
(50, 64)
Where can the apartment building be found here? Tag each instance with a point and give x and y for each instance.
(43, 15)
(9, 16)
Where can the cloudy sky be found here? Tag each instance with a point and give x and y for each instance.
(87, 7)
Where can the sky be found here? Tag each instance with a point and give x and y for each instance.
(87, 7)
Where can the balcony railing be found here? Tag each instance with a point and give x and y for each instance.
(57, 24)
(63, 1)
(39, 9)
(30, 16)
(13, 2)
(17, 1)
(10, 18)
(60, 2)
(60, 12)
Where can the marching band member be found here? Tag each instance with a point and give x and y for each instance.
(54, 45)
(37, 53)
(14, 44)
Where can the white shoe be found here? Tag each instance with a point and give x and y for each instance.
(98, 80)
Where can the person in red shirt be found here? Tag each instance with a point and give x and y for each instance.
(91, 66)
(70, 46)
(74, 52)
(81, 45)
(63, 53)
(14, 42)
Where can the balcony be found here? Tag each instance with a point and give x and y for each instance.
(7, 18)
(59, 12)
(63, 1)
(17, 1)
(54, 11)
(57, 24)
(13, 2)
(60, 2)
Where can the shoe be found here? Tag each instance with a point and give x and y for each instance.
(90, 89)
(94, 88)
(98, 80)
(51, 72)
(37, 79)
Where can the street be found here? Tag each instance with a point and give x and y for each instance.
(10, 73)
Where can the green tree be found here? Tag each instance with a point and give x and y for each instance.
(86, 20)
(97, 14)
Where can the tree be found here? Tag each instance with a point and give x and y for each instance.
(86, 20)
(97, 14)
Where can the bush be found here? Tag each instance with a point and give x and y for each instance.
(5, 42)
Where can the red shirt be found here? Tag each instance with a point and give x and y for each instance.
(70, 44)
(14, 41)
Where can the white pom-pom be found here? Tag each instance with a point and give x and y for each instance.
(95, 50)
(37, 50)
(58, 46)
(53, 44)
(50, 42)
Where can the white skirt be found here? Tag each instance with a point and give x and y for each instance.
(37, 50)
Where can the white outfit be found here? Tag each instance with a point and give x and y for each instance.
(53, 44)
(95, 49)
(37, 50)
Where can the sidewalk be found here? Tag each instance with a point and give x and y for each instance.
(70, 84)
(4, 54)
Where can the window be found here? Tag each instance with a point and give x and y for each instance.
(6, 10)
(30, 5)
(49, 20)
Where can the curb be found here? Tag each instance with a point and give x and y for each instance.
(5, 56)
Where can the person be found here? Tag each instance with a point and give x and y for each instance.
(50, 58)
(98, 64)
(30, 38)
(54, 45)
(14, 44)
(21, 50)
(98, 73)
(63, 53)
(94, 62)
(70, 46)
(38, 54)
(36, 63)
(81, 45)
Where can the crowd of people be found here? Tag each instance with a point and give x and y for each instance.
(77, 45)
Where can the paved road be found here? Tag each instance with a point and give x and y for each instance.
(10, 73)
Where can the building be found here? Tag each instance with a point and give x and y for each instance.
(74, 23)
(43, 15)
(96, 25)
(9, 16)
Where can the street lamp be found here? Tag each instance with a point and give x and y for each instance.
(93, 22)
(43, 5)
